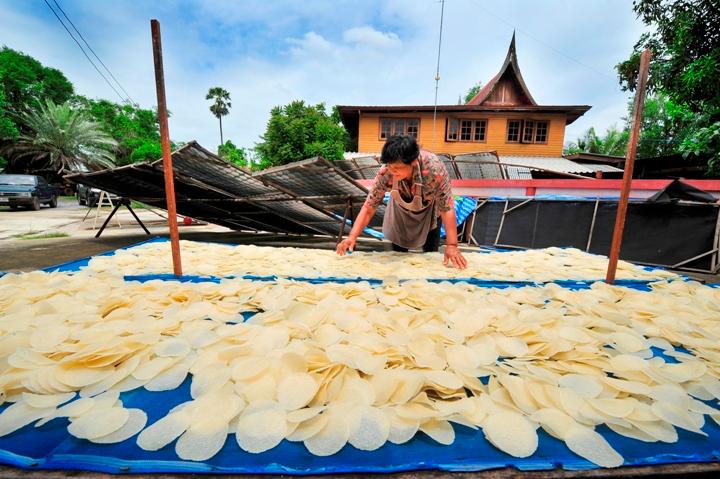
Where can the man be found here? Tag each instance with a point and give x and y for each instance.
(420, 192)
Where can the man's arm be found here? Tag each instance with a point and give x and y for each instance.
(452, 252)
(362, 220)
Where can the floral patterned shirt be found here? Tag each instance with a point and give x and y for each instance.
(430, 172)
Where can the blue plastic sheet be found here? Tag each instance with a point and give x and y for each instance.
(50, 446)
(464, 206)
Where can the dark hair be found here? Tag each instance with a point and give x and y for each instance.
(400, 148)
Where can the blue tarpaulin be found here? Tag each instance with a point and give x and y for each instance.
(51, 447)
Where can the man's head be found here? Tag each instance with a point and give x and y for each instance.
(400, 154)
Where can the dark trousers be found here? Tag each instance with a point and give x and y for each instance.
(432, 242)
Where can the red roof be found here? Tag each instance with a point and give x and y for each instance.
(510, 69)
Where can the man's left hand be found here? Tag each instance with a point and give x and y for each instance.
(454, 257)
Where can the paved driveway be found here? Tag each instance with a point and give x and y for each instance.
(22, 221)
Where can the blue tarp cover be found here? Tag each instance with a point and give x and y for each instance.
(51, 447)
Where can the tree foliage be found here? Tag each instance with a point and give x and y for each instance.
(61, 139)
(665, 125)
(239, 156)
(8, 129)
(298, 131)
(685, 67)
(613, 143)
(25, 83)
(221, 105)
(473, 91)
(136, 130)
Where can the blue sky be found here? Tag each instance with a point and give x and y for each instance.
(269, 53)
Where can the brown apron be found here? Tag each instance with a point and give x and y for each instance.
(407, 223)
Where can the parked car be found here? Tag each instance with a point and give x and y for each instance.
(29, 191)
(88, 195)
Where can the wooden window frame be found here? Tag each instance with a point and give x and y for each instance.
(522, 131)
(392, 132)
(547, 132)
(484, 128)
(519, 132)
(473, 128)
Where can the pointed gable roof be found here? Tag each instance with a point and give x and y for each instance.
(507, 88)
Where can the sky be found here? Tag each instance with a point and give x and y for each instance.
(268, 53)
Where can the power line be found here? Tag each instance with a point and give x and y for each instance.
(93, 51)
(546, 45)
(84, 53)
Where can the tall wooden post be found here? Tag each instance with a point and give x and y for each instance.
(629, 164)
(165, 142)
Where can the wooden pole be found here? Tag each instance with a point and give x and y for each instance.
(165, 142)
(629, 164)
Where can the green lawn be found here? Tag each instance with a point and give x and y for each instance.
(33, 235)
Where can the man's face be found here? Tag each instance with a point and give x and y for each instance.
(400, 170)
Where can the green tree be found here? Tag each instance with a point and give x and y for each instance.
(136, 130)
(298, 131)
(221, 105)
(472, 92)
(61, 139)
(665, 125)
(26, 83)
(239, 156)
(613, 143)
(685, 66)
(8, 130)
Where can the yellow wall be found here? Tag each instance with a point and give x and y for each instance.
(369, 132)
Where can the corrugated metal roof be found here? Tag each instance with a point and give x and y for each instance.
(349, 155)
(602, 167)
(518, 173)
(551, 163)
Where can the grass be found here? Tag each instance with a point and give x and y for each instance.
(68, 197)
(136, 205)
(34, 235)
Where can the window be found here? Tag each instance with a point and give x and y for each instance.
(466, 130)
(399, 126)
(462, 129)
(527, 131)
(480, 127)
(452, 130)
(541, 131)
(513, 131)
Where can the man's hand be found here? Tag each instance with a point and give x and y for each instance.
(454, 257)
(345, 245)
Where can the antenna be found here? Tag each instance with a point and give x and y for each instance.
(437, 72)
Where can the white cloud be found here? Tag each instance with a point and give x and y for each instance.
(337, 52)
(367, 35)
(311, 44)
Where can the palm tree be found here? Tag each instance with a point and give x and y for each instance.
(222, 105)
(62, 139)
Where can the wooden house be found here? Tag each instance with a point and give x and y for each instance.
(502, 117)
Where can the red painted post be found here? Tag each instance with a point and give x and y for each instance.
(629, 164)
(165, 143)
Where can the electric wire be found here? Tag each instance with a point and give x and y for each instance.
(93, 51)
(85, 53)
